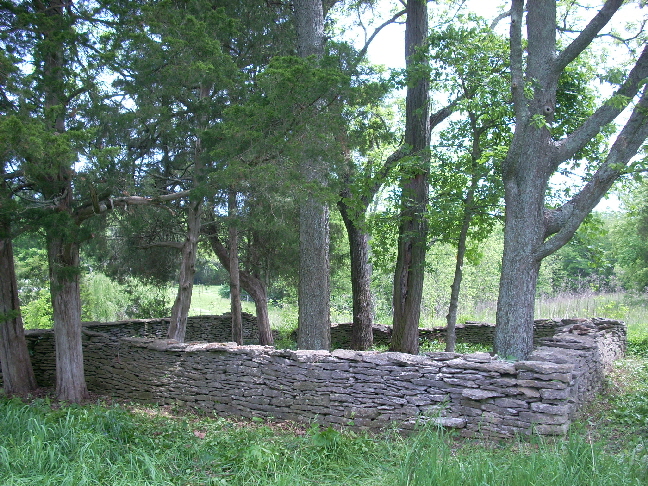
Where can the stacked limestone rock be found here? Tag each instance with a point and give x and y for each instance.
(476, 393)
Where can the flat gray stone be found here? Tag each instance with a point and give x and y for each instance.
(475, 394)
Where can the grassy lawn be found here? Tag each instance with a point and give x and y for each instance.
(119, 444)
(105, 443)
(206, 300)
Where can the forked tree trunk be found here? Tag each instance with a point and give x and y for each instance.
(17, 373)
(362, 329)
(253, 286)
(180, 309)
(189, 249)
(533, 232)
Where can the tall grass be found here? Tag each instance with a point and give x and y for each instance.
(111, 446)
(574, 461)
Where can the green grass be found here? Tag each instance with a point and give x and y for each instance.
(116, 445)
(207, 300)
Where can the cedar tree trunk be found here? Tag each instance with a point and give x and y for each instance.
(253, 286)
(413, 227)
(362, 329)
(17, 373)
(235, 285)
(180, 309)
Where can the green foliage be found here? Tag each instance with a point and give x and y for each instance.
(587, 262)
(146, 301)
(630, 236)
(30, 260)
(631, 407)
(37, 313)
(431, 461)
(102, 299)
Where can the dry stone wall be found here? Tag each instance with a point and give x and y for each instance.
(475, 393)
(470, 333)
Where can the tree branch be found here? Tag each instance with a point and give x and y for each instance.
(499, 18)
(517, 69)
(108, 204)
(393, 19)
(578, 45)
(564, 221)
(606, 113)
(379, 178)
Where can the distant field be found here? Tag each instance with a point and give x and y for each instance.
(631, 309)
(206, 300)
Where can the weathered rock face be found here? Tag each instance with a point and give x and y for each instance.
(476, 393)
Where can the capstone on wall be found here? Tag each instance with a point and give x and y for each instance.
(476, 393)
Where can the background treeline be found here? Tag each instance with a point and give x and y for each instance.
(142, 142)
(602, 271)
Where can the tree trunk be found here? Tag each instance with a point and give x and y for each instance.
(257, 291)
(413, 227)
(180, 309)
(451, 318)
(64, 273)
(532, 231)
(253, 286)
(516, 302)
(235, 285)
(362, 329)
(314, 326)
(62, 232)
(17, 373)
(189, 251)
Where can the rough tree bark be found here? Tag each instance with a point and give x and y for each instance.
(180, 309)
(17, 373)
(413, 227)
(62, 230)
(189, 249)
(363, 312)
(235, 281)
(314, 326)
(533, 231)
(64, 279)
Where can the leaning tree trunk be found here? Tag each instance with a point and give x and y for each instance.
(413, 227)
(451, 318)
(362, 328)
(253, 286)
(17, 373)
(189, 249)
(180, 309)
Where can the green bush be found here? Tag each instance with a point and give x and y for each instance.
(37, 314)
